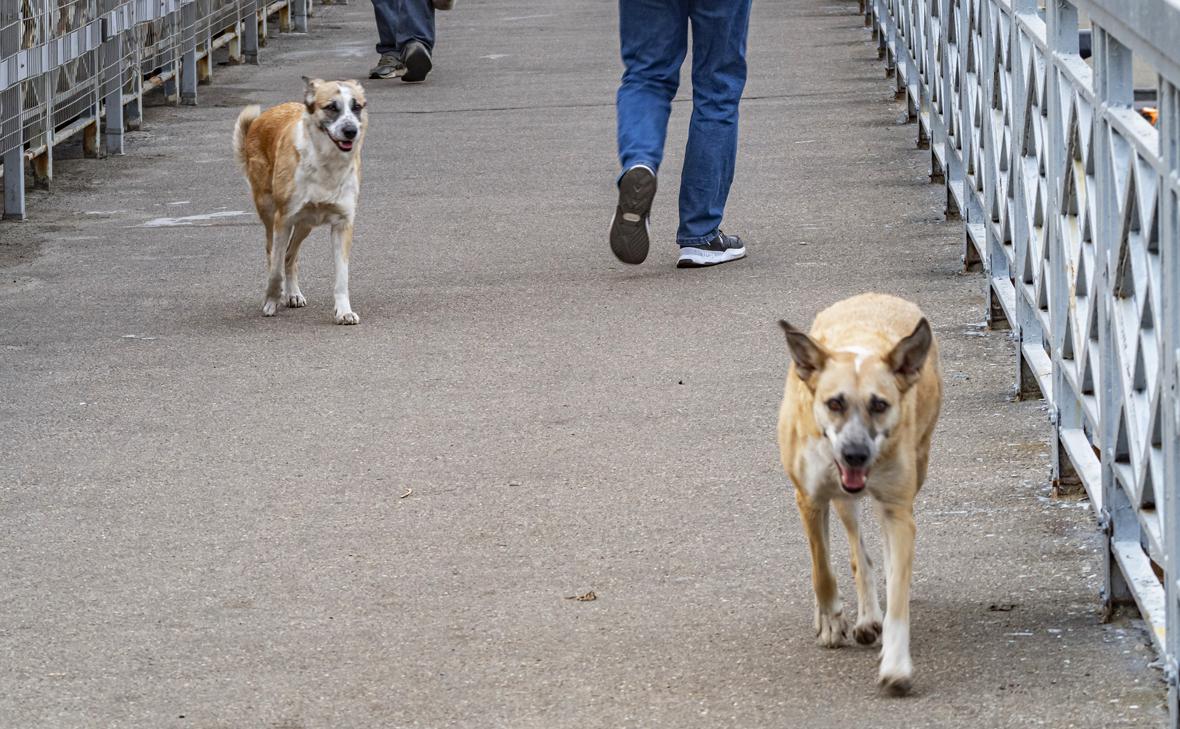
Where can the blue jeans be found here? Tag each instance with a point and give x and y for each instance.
(402, 21)
(654, 41)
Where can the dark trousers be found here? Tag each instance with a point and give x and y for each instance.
(402, 21)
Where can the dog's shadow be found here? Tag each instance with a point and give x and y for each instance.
(962, 648)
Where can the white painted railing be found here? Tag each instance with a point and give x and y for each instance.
(1068, 189)
(68, 65)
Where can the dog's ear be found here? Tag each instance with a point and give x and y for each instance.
(808, 356)
(908, 356)
(309, 92)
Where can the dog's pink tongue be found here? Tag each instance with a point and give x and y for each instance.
(853, 478)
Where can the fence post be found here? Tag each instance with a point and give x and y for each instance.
(188, 54)
(1063, 39)
(113, 101)
(1169, 108)
(14, 183)
(1112, 86)
(250, 31)
(299, 14)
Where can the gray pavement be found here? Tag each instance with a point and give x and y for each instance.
(201, 512)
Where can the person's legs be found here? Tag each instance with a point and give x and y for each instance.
(386, 12)
(719, 29)
(415, 22)
(405, 30)
(653, 37)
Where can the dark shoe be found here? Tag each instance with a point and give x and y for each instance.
(722, 249)
(389, 66)
(629, 238)
(416, 59)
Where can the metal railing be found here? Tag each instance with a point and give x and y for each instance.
(1070, 195)
(71, 67)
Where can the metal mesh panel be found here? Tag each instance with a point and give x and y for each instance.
(158, 43)
(64, 63)
(1069, 197)
(10, 119)
(75, 89)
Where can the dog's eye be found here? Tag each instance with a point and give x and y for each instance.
(331, 106)
(836, 404)
(356, 107)
(877, 406)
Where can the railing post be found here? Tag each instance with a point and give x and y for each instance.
(1113, 87)
(188, 54)
(299, 14)
(250, 31)
(990, 136)
(14, 183)
(113, 102)
(1170, 371)
(1062, 35)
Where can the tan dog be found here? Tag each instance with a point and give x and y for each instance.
(304, 167)
(861, 401)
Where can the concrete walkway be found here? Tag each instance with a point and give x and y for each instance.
(202, 520)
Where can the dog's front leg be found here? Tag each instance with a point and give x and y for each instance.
(830, 627)
(342, 246)
(278, 256)
(868, 608)
(897, 526)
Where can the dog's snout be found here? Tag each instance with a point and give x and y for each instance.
(349, 131)
(855, 455)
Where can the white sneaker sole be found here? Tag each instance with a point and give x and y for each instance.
(695, 257)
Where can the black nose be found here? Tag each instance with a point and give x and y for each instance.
(349, 132)
(855, 455)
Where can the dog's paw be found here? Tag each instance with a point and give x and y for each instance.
(296, 300)
(347, 317)
(830, 630)
(269, 307)
(895, 684)
(867, 632)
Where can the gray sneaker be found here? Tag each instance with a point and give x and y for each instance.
(389, 66)
(722, 249)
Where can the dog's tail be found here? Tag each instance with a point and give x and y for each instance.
(245, 119)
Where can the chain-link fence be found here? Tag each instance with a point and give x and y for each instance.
(70, 67)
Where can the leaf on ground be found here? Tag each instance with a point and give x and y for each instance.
(588, 597)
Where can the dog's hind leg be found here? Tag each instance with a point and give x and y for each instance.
(292, 296)
(830, 626)
(266, 213)
(897, 526)
(278, 256)
(868, 609)
(341, 247)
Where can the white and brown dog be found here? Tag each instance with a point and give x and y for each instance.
(302, 160)
(861, 401)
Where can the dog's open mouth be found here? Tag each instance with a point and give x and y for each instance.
(852, 479)
(344, 145)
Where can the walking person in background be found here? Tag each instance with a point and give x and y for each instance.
(405, 29)
(654, 42)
